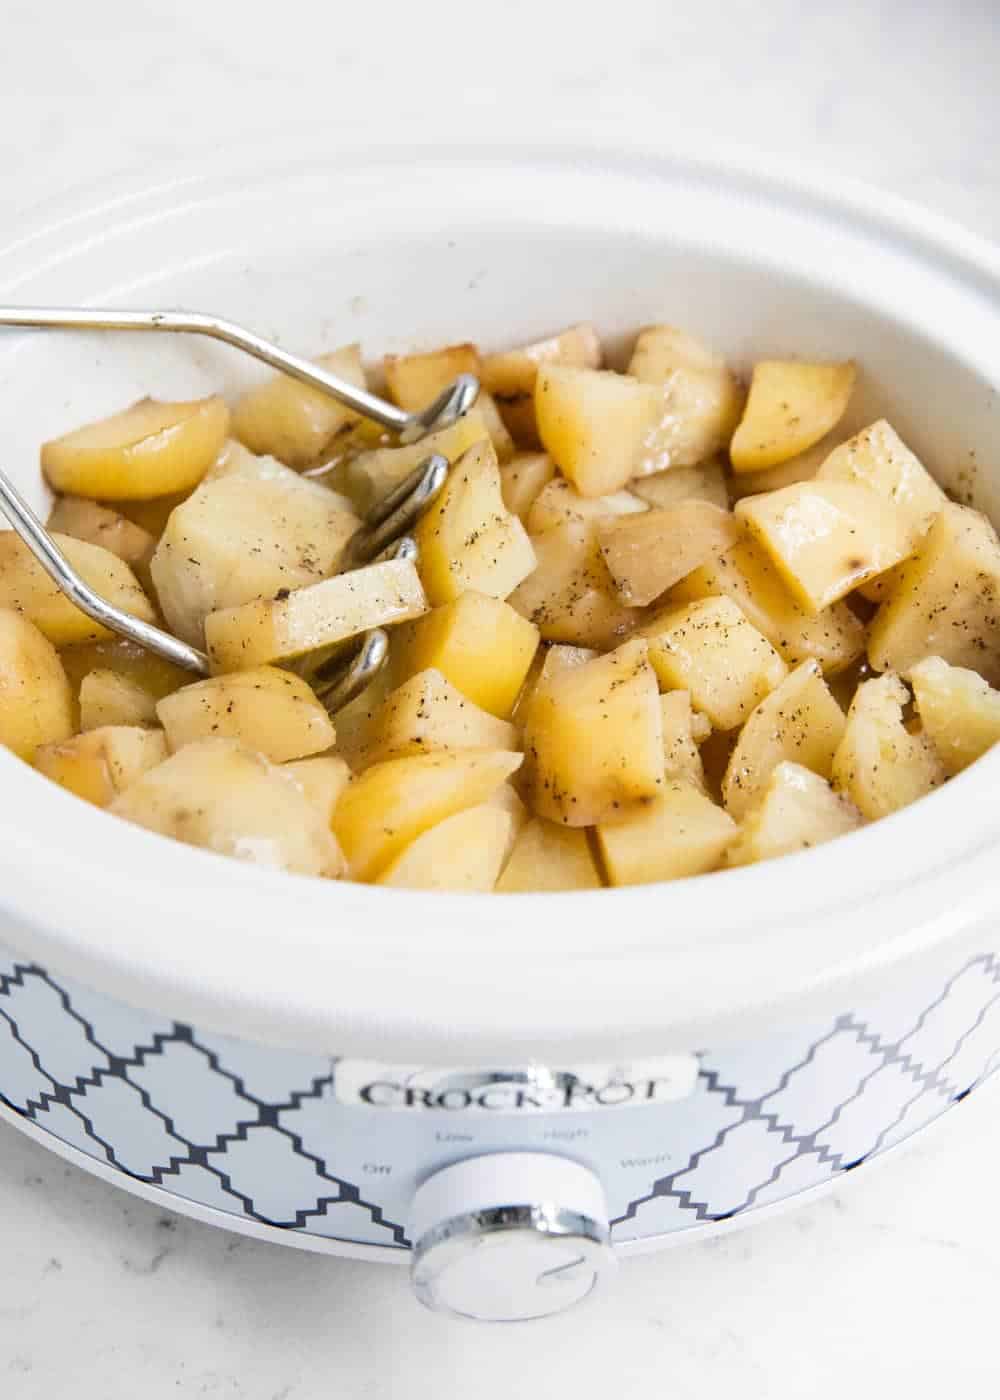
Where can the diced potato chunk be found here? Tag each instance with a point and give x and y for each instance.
(26, 588)
(827, 537)
(323, 781)
(415, 381)
(959, 711)
(151, 449)
(570, 596)
(426, 713)
(681, 728)
(706, 482)
(372, 475)
(945, 600)
(594, 424)
(647, 554)
(295, 422)
(660, 349)
(799, 722)
(549, 857)
(220, 796)
(468, 539)
(680, 833)
(879, 459)
(267, 710)
(463, 854)
(550, 661)
(791, 405)
(695, 418)
(125, 659)
(710, 650)
(797, 810)
(522, 479)
(744, 573)
(86, 520)
(479, 644)
(880, 765)
(36, 704)
(99, 765)
(108, 697)
(391, 804)
(593, 739)
(510, 373)
(559, 502)
(320, 616)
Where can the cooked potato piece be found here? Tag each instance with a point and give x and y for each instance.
(796, 810)
(681, 729)
(415, 381)
(36, 703)
(799, 722)
(243, 537)
(269, 711)
(372, 475)
(323, 781)
(510, 373)
(108, 697)
(86, 520)
(550, 661)
(468, 538)
(879, 459)
(549, 857)
(959, 711)
(945, 601)
(660, 349)
(706, 482)
(880, 765)
(695, 418)
(593, 739)
(463, 854)
(570, 596)
(827, 537)
(125, 659)
(680, 833)
(426, 713)
(292, 421)
(218, 795)
(151, 449)
(320, 616)
(647, 554)
(594, 424)
(392, 803)
(802, 467)
(559, 502)
(791, 405)
(99, 765)
(26, 588)
(744, 573)
(522, 479)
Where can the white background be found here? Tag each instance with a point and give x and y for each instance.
(887, 1287)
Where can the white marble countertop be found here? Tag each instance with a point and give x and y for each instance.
(886, 1287)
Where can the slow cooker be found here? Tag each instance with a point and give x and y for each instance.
(506, 1093)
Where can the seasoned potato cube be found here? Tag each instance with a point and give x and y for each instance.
(220, 796)
(292, 421)
(320, 616)
(125, 659)
(680, 833)
(522, 479)
(463, 854)
(570, 596)
(99, 765)
(559, 502)
(549, 857)
(426, 713)
(647, 554)
(681, 729)
(392, 803)
(108, 697)
(468, 538)
(745, 573)
(945, 600)
(549, 662)
(791, 405)
(323, 781)
(510, 373)
(660, 349)
(796, 810)
(879, 459)
(267, 710)
(414, 382)
(479, 644)
(880, 765)
(696, 416)
(959, 711)
(86, 520)
(594, 424)
(372, 475)
(593, 739)
(26, 588)
(706, 482)
(151, 449)
(243, 537)
(827, 537)
(36, 703)
(799, 722)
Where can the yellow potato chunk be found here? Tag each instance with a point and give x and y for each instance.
(99, 765)
(660, 349)
(392, 803)
(522, 479)
(827, 537)
(959, 711)
(549, 857)
(372, 475)
(108, 697)
(570, 596)
(462, 854)
(415, 381)
(706, 482)
(220, 796)
(594, 424)
(426, 713)
(799, 722)
(320, 616)
(26, 588)
(97, 524)
(151, 449)
(593, 739)
(559, 502)
(267, 710)
(292, 421)
(791, 405)
(796, 810)
(880, 765)
(696, 415)
(510, 373)
(479, 644)
(36, 703)
(680, 833)
(323, 781)
(879, 459)
(681, 731)
(745, 573)
(125, 659)
(550, 661)
(647, 554)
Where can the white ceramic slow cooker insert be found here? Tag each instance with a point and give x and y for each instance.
(303, 1059)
